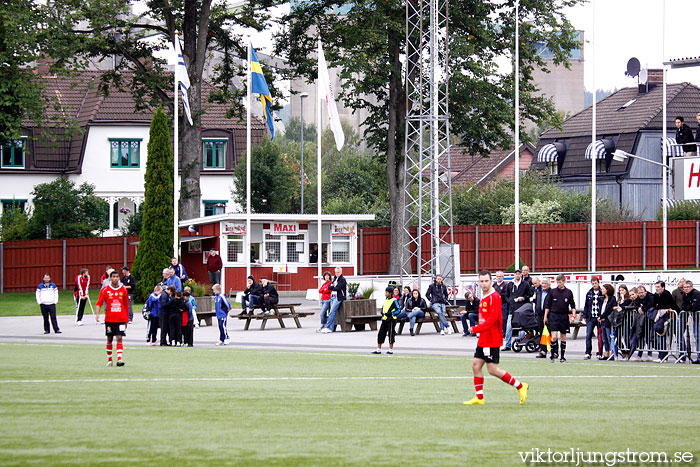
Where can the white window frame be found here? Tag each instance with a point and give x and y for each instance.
(303, 256)
(235, 238)
(341, 239)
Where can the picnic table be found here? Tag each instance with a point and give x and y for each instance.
(279, 312)
(431, 316)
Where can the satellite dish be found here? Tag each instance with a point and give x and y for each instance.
(643, 76)
(633, 67)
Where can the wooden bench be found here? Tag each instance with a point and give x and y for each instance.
(359, 322)
(279, 312)
(206, 316)
(431, 316)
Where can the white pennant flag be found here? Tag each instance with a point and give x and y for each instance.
(327, 95)
(181, 76)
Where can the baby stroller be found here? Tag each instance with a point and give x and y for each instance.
(524, 322)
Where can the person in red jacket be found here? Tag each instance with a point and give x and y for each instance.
(325, 299)
(214, 265)
(116, 300)
(490, 330)
(80, 294)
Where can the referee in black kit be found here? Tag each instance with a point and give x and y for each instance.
(558, 305)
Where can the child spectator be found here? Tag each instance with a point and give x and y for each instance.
(222, 307)
(175, 319)
(194, 306)
(188, 319)
(389, 312)
(152, 305)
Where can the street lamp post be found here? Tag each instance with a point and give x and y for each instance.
(302, 96)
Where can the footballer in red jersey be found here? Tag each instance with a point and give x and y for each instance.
(490, 330)
(115, 298)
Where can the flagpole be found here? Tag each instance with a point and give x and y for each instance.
(516, 72)
(594, 161)
(176, 160)
(247, 167)
(319, 130)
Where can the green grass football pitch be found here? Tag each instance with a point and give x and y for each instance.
(59, 404)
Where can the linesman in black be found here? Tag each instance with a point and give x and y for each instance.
(558, 305)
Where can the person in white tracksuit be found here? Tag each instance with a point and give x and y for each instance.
(47, 298)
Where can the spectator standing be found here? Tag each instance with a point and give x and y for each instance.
(685, 135)
(115, 298)
(678, 293)
(559, 305)
(252, 295)
(519, 293)
(82, 286)
(270, 296)
(105, 281)
(47, 298)
(640, 324)
(105, 275)
(214, 265)
(540, 299)
(502, 288)
(338, 288)
(624, 302)
(664, 303)
(490, 339)
(390, 310)
(153, 305)
(222, 307)
(130, 285)
(416, 308)
(691, 304)
(470, 315)
(437, 294)
(191, 314)
(172, 279)
(325, 299)
(591, 312)
(607, 307)
(164, 307)
(526, 274)
(193, 309)
(178, 270)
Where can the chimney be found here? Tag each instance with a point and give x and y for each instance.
(649, 78)
(43, 65)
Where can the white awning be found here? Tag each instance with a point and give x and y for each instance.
(194, 238)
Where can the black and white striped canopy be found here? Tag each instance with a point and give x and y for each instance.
(548, 153)
(595, 150)
(673, 148)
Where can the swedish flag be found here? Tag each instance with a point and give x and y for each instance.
(259, 85)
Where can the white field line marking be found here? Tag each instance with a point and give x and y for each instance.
(319, 378)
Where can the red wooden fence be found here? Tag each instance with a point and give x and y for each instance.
(25, 262)
(557, 247)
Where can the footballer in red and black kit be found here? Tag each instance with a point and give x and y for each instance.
(490, 330)
(115, 299)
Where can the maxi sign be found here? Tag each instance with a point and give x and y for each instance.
(285, 228)
(687, 177)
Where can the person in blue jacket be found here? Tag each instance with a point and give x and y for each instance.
(179, 270)
(152, 305)
(222, 307)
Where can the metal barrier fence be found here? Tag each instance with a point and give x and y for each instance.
(674, 336)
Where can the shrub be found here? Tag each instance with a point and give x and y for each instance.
(156, 238)
(687, 210)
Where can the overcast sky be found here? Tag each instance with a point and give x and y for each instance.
(634, 28)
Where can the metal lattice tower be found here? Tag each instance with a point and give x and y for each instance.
(427, 181)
